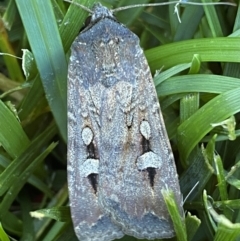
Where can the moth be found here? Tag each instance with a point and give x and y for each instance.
(119, 156)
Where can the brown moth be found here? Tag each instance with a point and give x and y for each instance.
(119, 156)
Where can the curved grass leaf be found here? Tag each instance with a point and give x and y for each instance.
(12, 137)
(192, 130)
(197, 83)
(43, 35)
(12, 173)
(215, 49)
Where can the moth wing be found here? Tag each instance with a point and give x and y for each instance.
(90, 222)
(136, 161)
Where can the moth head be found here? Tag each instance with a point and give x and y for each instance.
(100, 12)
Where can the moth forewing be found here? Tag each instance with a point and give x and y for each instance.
(90, 222)
(136, 160)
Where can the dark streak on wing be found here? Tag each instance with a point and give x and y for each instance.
(93, 178)
(151, 171)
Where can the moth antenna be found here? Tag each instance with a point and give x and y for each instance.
(190, 192)
(154, 5)
(170, 3)
(177, 3)
(80, 5)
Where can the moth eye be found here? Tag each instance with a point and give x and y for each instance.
(145, 129)
(87, 136)
(86, 23)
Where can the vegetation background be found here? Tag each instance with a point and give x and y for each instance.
(197, 82)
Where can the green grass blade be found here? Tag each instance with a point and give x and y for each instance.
(12, 173)
(191, 131)
(159, 78)
(213, 20)
(198, 174)
(73, 21)
(61, 214)
(182, 32)
(216, 49)
(28, 225)
(43, 35)
(225, 230)
(12, 137)
(3, 235)
(18, 184)
(178, 222)
(192, 225)
(197, 83)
